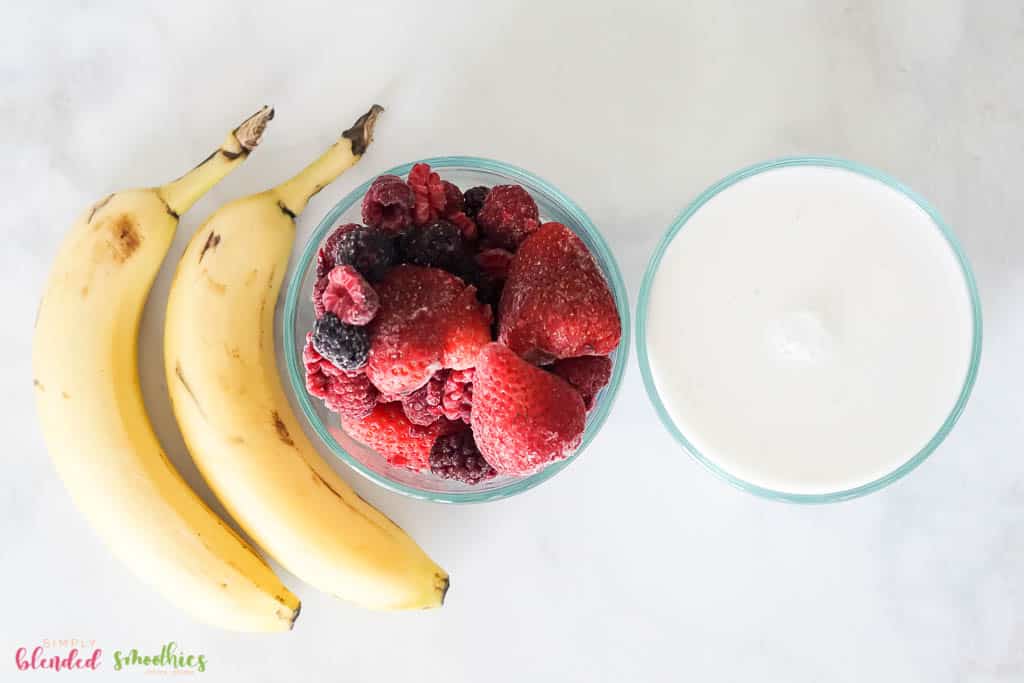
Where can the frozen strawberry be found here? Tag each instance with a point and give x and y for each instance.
(555, 303)
(508, 216)
(428, 320)
(495, 262)
(589, 374)
(523, 417)
(389, 432)
(348, 296)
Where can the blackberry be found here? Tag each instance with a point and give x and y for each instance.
(325, 256)
(473, 199)
(438, 244)
(368, 250)
(345, 346)
(455, 456)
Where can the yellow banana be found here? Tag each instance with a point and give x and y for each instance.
(229, 402)
(100, 438)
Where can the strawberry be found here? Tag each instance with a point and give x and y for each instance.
(427, 320)
(389, 432)
(556, 303)
(589, 374)
(523, 417)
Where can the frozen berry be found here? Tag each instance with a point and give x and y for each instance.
(494, 262)
(403, 444)
(508, 216)
(388, 204)
(473, 199)
(349, 296)
(465, 225)
(325, 256)
(589, 374)
(455, 456)
(346, 346)
(453, 202)
(438, 245)
(423, 406)
(368, 250)
(429, 193)
(457, 397)
(523, 417)
(350, 395)
(318, 291)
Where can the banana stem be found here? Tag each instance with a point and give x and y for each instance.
(181, 194)
(295, 193)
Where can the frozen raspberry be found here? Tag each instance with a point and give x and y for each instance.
(428, 320)
(345, 346)
(325, 256)
(368, 250)
(428, 190)
(508, 216)
(318, 292)
(589, 374)
(453, 202)
(494, 262)
(556, 303)
(437, 244)
(349, 296)
(457, 398)
(388, 204)
(523, 417)
(351, 396)
(423, 406)
(403, 444)
(473, 199)
(455, 456)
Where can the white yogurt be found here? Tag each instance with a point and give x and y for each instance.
(809, 329)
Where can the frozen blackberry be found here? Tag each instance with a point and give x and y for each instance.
(473, 199)
(368, 250)
(455, 456)
(346, 346)
(438, 244)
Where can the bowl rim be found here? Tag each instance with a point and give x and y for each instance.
(641, 332)
(595, 420)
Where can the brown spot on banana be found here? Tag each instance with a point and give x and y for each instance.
(65, 395)
(216, 286)
(125, 238)
(285, 210)
(212, 240)
(361, 132)
(282, 429)
(320, 480)
(38, 385)
(184, 383)
(85, 291)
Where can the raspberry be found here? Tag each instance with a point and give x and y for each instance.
(429, 193)
(556, 303)
(465, 225)
(348, 296)
(437, 244)
(368, 250)
(473, 199)
(423, 406)
(455, 456)
(494, 262)
(318, 292)
(388, 431)
(589, 374)
(523, 417)
(351, 396)
(345, 346)
(457, 398)
(388, 204)
(508, 216)
(325, 256)
(453, 202)
(428, 320)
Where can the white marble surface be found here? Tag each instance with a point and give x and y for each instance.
(635, 564)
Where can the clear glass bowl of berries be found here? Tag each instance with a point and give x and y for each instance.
(456, 330)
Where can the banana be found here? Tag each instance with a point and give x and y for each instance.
(95, 424)
(227, 396)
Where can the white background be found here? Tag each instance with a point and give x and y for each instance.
(634, 564)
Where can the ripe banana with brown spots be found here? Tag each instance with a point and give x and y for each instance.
(96, 427)
(228, 399)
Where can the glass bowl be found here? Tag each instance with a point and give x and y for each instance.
(298, 319)
(835, 496)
